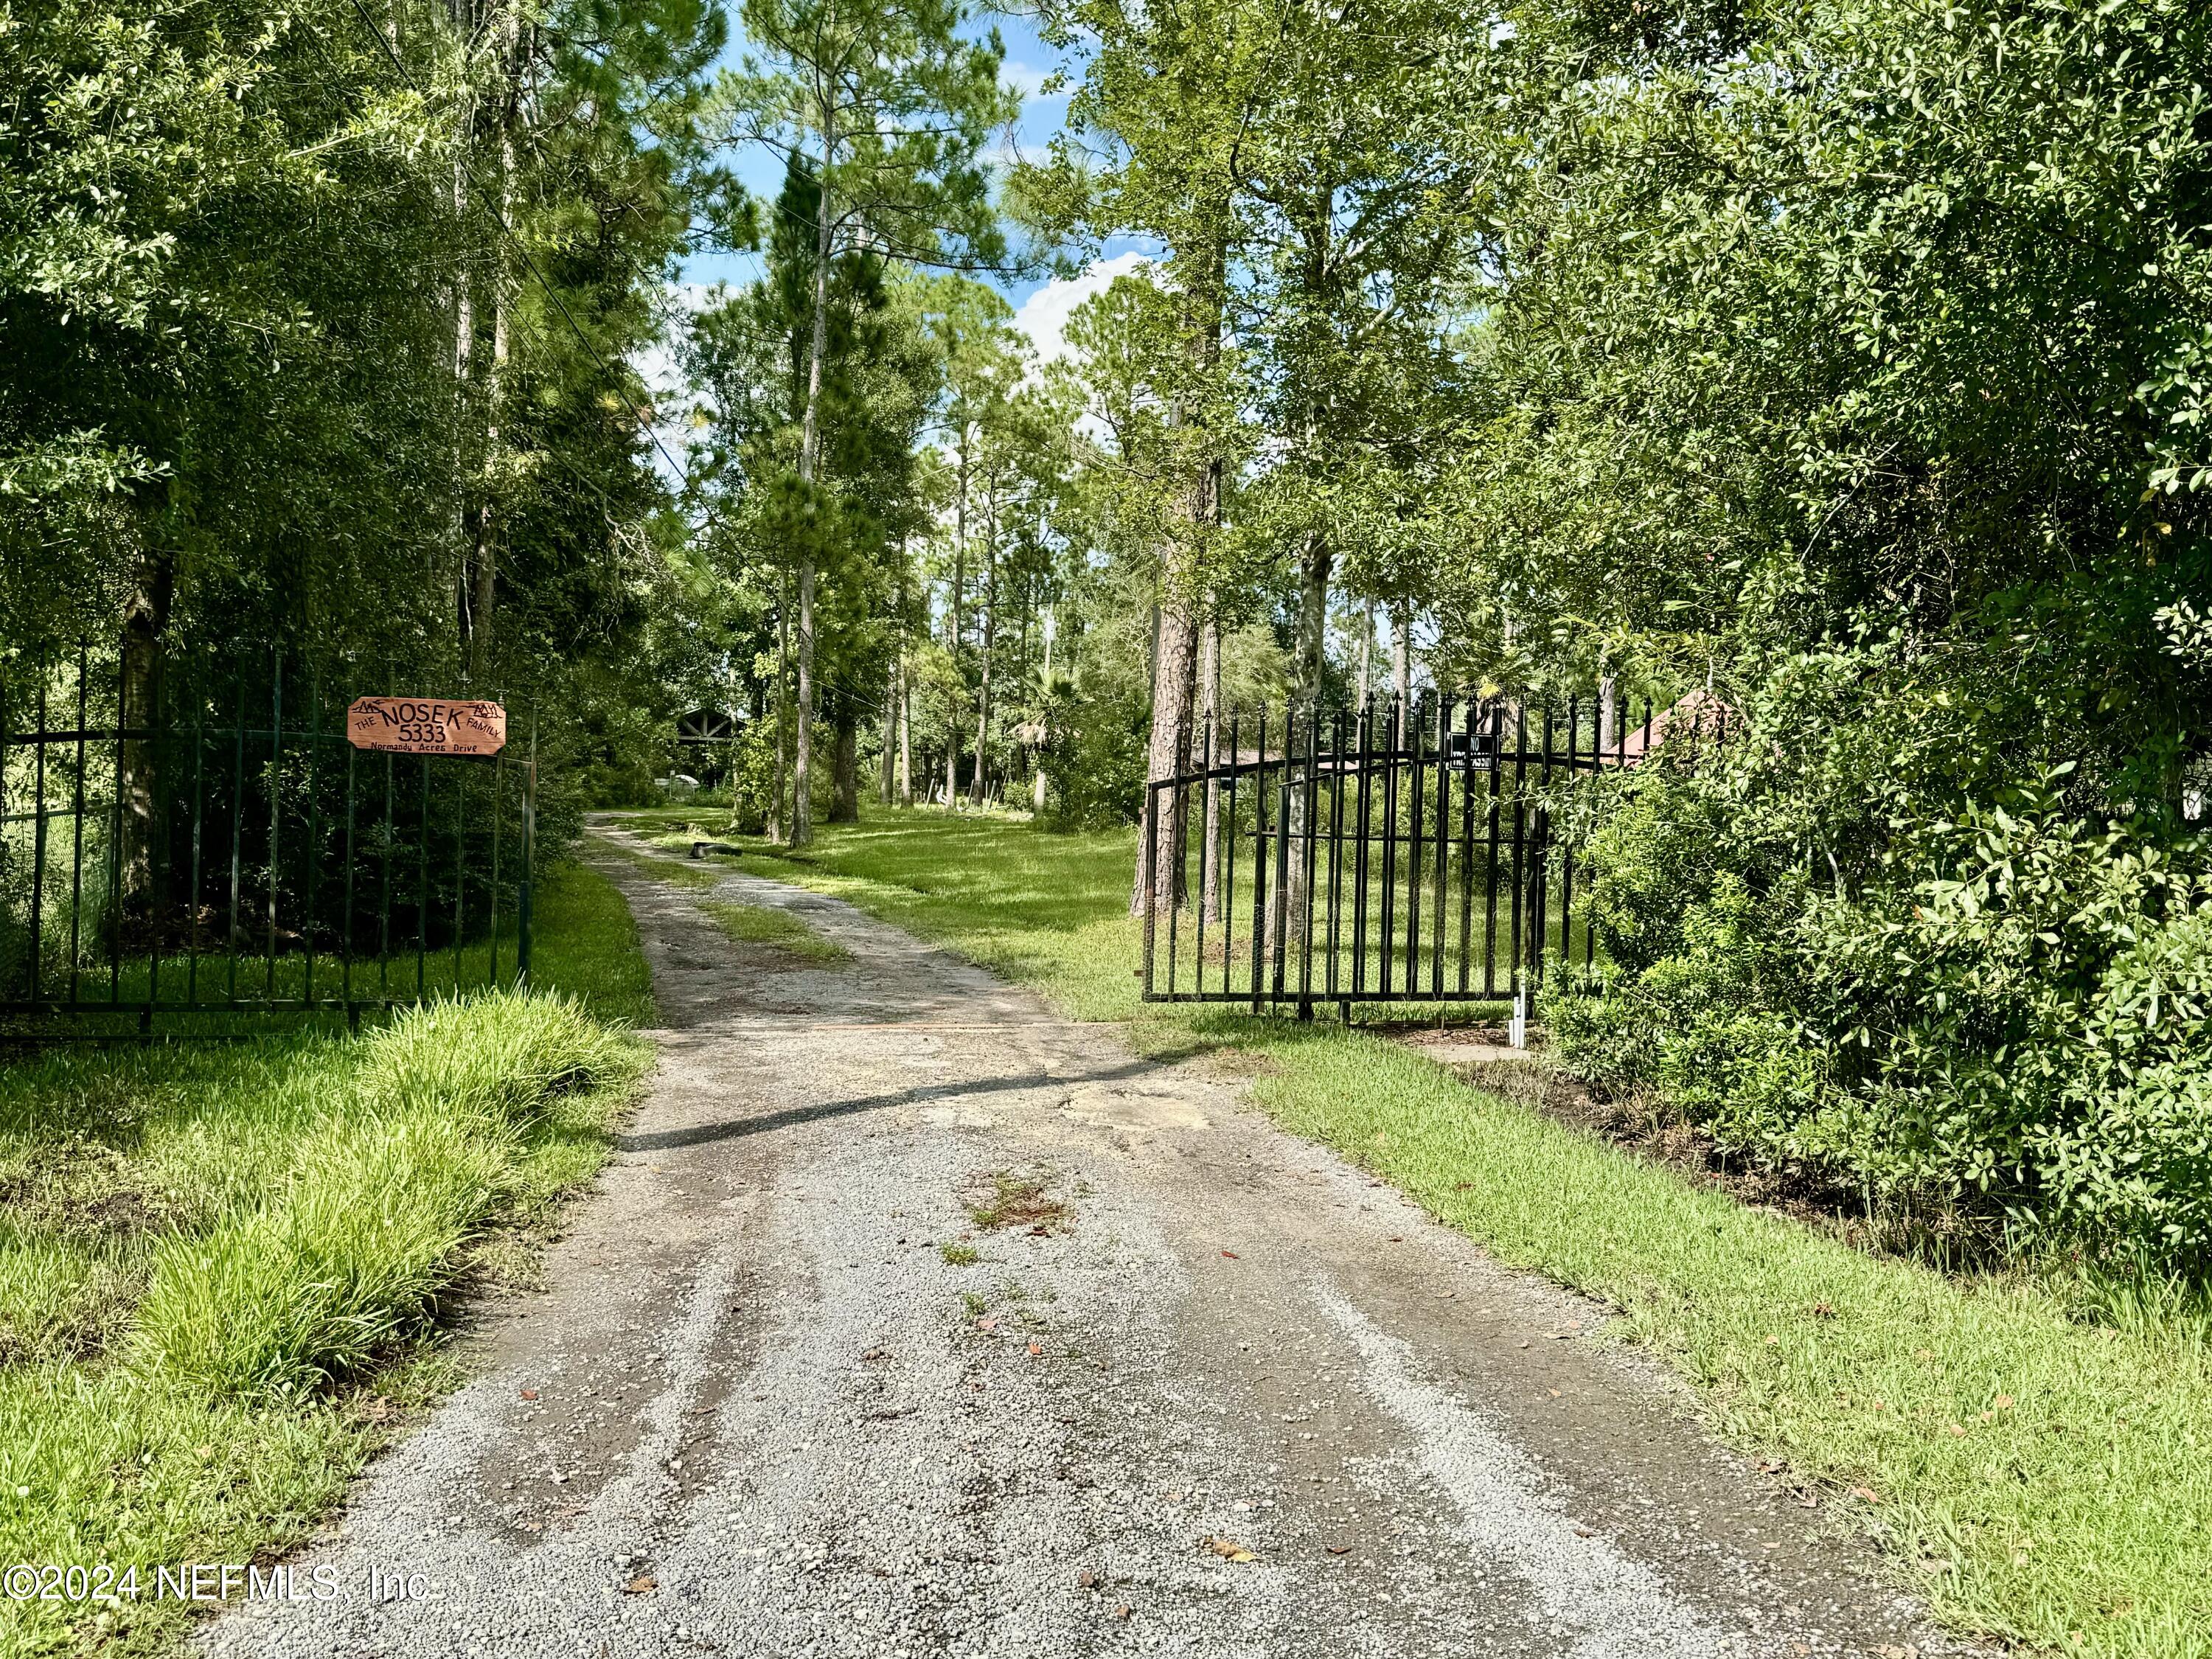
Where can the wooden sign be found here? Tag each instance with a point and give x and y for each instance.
(427, 725)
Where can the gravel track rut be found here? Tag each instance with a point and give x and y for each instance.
(762, 1409)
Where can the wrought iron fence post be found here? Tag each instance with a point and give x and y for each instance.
(275, 808)
(1260, 866)
(1280, 915)
(77, 832)
(529, 856)
(38, 849)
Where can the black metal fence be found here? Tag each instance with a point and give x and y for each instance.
(1424, 853)
(215, 853)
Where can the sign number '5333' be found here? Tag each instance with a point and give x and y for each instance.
(427, 725)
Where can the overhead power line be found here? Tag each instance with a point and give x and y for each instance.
(499, 217)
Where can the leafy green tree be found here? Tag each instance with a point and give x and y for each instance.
(889, 108)
(1154, 128)
(1850, 356)
(751, 359)
(1346, 304)
(253, 291)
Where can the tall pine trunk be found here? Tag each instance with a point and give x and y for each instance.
(953, 629)
(844, 763)
(884, 767)
(990, 632)
(1309, 680)
(1175, 658)
(483, 568)
(779, 824)
(1402, 668)
(905, 738)
(1209, 695)
(810, 454)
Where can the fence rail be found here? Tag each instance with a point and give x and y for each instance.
(1403, 853)
(211, 854)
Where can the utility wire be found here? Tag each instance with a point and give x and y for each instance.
(499, 218)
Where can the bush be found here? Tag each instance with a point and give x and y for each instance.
(2004, 1007)
(1095, 765)
(752, 779)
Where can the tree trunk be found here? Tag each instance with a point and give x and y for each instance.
(953, 629)
(1209, 695)
(779, 824)
(1401, 669)
(1045, 718)
(990, 632)
(905, 738)
(145, 637)
(810, 452)
(483, 573)
(1367, 654)
(953, 764)
(844, 763)
(1175, 660)
(802, 745)
(1174, 669)
(464, 335)
(1310, 668)
(884, 773)
(1309, 681)
(483, 568)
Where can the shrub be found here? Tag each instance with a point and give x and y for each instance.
(1093, 766)
(2003, 1006)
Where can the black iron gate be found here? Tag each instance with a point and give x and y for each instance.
(1407, 854)
(229, 851)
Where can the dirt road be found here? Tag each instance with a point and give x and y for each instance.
(1206, 1391)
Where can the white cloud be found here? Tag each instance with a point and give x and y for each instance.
(657, 365)
(1028, 80)
(655, 362)
(1044, 316)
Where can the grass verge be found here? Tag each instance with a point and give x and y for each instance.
(761, 923)
(699, 875)
(2036, 1475)
(219, 1263)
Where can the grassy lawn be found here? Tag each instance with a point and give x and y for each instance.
(217, 1261)
(2034, 1473)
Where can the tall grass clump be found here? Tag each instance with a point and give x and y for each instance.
(219, 1262)
(281, 1297)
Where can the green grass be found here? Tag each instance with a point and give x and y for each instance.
(587, 946)
(219, 1263)
(1046, 910)
(573, 920)
(760, 924)
(2035, 1474)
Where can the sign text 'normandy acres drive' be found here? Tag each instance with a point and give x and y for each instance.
(427, 725)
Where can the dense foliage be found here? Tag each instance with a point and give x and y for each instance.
(316, 339)
(1851, 354)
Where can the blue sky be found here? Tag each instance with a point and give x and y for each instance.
(1042, 307)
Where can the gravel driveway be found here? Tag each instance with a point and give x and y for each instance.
(1203, 1390)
